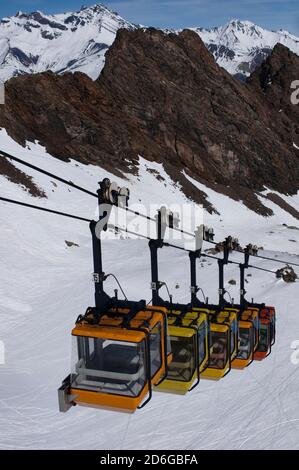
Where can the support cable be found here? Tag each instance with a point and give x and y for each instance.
(44, 209)
(111, 226)
(86, 191)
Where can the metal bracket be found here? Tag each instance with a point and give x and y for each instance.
(173, 219)
(111, 193)
(162, 222)
(97, 277)
(208, 233)
(199, 237)
(203, 233)
(165, 218)
(251, 250)
(65, 399)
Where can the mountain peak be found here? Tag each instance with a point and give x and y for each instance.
(240, 45)
(80, 40)
(237, 23)
(96, 8)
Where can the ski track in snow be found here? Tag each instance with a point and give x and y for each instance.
(44, 285)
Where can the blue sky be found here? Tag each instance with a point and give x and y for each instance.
(272, 14)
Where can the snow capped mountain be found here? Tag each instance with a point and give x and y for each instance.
(240, 46)
(35, 42)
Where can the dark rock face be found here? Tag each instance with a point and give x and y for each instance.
(22, 57)
(221, 51)
(272, 81)
(42, 20)
(287, 274)
(279, 201)
(165, 98)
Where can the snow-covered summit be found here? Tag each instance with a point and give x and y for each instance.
(35, 42)
(240, 46)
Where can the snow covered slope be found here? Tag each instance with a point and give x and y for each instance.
(45, 284)
(240, 46)
(77, 41)
(35, 42)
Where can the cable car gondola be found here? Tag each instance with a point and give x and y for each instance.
(188, 330)
(120, 348)
(219, 358)
(223, 341)
(271, 315)
(266, 315)
(248, 325)
(266, 334)
(223, 331)
(229, 315)
(116, 358)
(190, 351)
(247, 316)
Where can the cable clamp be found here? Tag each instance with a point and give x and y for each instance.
(97, 278)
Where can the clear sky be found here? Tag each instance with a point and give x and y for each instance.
(272, 14)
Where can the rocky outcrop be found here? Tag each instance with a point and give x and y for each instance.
(164, 97)
(273, 81)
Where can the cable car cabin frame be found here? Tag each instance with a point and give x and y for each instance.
(252, 314)
(117, 359)
(223, 343)
(219, 361)
(120, 335)
(188, 332)
(265, 337)
(248, 337)
(271, 315)
(229, 316)
(220, 341)
(246, 345)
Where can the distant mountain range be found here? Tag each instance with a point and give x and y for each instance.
(77, 41)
